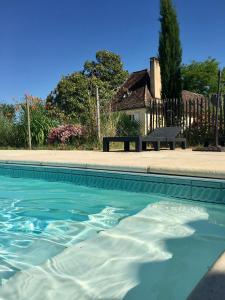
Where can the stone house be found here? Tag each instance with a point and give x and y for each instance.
(142, 87)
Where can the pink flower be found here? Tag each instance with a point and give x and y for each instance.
(64, 133)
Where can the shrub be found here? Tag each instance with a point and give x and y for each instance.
(65, 134)
(40, 122)
(8, 132)
(199, 132)
(127, 126)
(196, 134)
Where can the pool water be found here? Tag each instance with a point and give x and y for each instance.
(38, 219)
(135, 246)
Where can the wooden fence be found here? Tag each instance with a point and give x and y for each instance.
(193, 115)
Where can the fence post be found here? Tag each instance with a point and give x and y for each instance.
(186, 114)
(98, 115)
(217, 110)
(221, 114)
(28, 123)
(224, 114)
(205, 107)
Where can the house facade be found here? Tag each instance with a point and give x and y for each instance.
(138, 92)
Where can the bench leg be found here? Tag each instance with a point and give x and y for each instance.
(126, 146)
(156, 146)
(172, 145)
(138, 146)
(222, 142)
(144, 146)
(183, 145)
(105, 146)
(206, 143)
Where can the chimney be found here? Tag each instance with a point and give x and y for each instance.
(155, 78)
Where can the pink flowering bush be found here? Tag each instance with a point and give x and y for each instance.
(65, 134)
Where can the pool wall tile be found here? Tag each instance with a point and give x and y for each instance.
(179, 190)
(178, 180)
(199, 189)
(207, 194)
(206, 183)
(222, 196)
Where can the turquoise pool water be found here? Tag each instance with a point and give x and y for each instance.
(136, 245)
(38, 219)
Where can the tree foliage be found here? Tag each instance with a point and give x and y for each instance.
(202, 77)
(170, 52)
(75, 93)
(8, 131)
(71, 95)
(7, 110)
(108, 67)
(41, 122)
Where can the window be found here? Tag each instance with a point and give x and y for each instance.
(135, 117)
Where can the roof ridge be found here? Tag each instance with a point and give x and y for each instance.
(139, 71)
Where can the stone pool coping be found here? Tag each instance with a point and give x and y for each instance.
(179, 162)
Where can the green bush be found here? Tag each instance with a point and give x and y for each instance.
(126, 126)
(196, 134)
(40, 122)
(199, 132)
(8, 132)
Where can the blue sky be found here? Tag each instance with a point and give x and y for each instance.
(41, 40)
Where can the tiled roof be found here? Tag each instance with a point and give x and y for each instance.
(134, 93)
(187, 95)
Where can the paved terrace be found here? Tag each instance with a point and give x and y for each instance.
(178, 162)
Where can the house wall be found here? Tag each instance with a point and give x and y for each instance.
(143, 117)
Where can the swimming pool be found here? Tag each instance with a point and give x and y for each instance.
(41, 217)
(103, 243)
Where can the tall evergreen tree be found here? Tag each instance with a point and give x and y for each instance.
(170, 52)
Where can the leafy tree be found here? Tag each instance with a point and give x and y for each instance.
(41, 122)
(75, 94)
(170, 52)
(202, 77)
(108, 67)
(71, 95)
(8, 110)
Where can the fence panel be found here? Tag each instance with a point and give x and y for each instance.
(193, 115)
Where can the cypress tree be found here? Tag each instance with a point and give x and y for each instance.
(170, 52)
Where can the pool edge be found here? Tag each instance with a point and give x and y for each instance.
(169, 170)
(211, 190)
